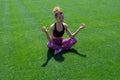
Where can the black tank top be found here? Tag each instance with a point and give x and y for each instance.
(58, 33)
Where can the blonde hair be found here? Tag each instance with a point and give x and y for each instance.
(56, 10)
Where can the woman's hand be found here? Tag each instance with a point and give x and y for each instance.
(46, 32)
(44, 29)
(82, 26)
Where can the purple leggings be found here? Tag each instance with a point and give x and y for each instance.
(62, 43)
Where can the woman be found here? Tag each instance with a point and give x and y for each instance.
(56, 40)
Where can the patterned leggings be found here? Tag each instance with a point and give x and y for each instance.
(65, 44)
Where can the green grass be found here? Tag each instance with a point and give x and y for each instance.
(23, 45)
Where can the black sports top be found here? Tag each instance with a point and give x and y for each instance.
(58, 33)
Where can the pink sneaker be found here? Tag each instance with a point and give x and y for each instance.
(57, 51)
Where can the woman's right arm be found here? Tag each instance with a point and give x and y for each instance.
(51, 31)
(46, 32)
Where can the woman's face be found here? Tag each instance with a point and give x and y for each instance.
(60, 17)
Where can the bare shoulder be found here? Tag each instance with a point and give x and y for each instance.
(52, 26)
(65, 25)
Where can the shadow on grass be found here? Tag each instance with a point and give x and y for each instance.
(59, 57)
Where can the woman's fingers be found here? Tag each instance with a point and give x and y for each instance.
(44, 29)
(82, 26)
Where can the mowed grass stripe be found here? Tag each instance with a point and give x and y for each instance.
(27, 52)
(36, 14)
(32, 33)
(41, 38)
(99, 41)
(6, 46)
(30, 26)
(5, 29)
(14, 58)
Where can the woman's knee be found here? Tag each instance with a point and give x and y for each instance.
(73, 40)
(49, 44)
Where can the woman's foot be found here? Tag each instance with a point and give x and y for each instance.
(57, 51)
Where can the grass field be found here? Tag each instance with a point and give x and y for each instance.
(23, 50)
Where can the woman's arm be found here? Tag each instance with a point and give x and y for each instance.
(76, 32)
(46, 32)
(67, 30)
(51, 31)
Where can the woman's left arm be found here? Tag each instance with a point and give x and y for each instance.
(78, 30)
(67, 30)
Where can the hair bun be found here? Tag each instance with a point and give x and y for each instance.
(56, 9)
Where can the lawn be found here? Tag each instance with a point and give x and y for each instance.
(23, 46)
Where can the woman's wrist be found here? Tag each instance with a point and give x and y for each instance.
(46, 31)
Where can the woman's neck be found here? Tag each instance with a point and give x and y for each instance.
(59, 24)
